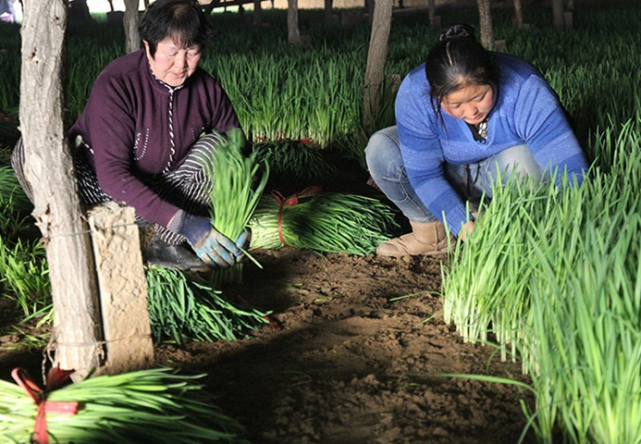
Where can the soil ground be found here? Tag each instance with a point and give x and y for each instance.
(355, 356)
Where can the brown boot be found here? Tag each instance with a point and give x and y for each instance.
(426, 239)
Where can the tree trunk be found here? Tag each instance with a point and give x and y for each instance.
(293, 33)
(568, 15)
(431, 11)
(130, 21)
(485, 18)
(328, 11)
(376, 56)
(518, 14)
(258, 16)
(370, 5)
(76, 329)
(557, 11)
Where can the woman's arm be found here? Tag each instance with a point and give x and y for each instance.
(422, 153)
(540, 119)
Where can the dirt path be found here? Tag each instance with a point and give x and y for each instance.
(348, 365)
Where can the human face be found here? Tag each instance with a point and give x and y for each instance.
(173, 63)
(471, 103)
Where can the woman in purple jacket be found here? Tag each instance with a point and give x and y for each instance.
(463, 117)
(138, 138)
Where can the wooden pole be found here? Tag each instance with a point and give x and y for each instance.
(293, 32)
(328, 4)
(258, 17)
(518, 14)
(485, 17)
(557, 13)
(376, 57)
(130, 22)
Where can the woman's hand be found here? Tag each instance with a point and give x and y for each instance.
(466, 230)
(211, 246)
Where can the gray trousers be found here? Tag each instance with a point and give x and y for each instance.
(385, 164)
(186, 187)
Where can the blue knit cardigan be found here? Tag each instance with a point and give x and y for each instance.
(526, 111)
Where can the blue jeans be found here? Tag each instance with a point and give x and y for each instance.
(385, 164)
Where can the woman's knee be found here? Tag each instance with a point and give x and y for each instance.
(517, 160)
(383, 152)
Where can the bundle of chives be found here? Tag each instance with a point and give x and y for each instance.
(184, 307)
(156, 405)
(324, 222)
(234, 193)
(293, 165)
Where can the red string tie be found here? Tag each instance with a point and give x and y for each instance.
(290, 202)
(55, 379)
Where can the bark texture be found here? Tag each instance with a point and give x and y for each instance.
(130, 22)
(431, 11)
(48, 167)
(557, 13)
(329, 4)
(485, 18)
(293, 33)
(376, 57)
(518, 14)
(258, 16)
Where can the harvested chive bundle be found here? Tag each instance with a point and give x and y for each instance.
(325, 222)
(184, 307)
(234, 193)
(156, 405)
(294, 165)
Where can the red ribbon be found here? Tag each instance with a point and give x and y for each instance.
(55, 379)
(290, 202)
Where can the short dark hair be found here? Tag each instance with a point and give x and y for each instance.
(182, 20)
(458, 60)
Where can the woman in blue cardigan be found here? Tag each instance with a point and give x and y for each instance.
(463, 117)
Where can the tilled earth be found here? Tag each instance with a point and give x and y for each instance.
(357, 358)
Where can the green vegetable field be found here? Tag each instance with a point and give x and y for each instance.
(539, 310)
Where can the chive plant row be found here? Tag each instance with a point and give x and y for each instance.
(553, 273)
(281, 91)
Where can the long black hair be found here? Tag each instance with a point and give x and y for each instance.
(182, 20)
(458, 60)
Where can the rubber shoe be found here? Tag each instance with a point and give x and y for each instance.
(165, 255)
